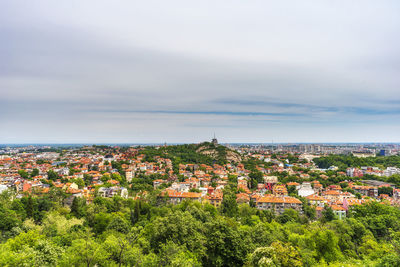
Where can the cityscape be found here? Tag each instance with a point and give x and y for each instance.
(199, 133)
(89, 171)
(286, 183)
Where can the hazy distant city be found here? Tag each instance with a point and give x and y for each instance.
(357, 149)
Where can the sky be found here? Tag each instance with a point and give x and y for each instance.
(149, 71)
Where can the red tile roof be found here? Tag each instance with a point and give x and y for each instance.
(276, 199)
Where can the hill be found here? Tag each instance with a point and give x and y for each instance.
(219, 152)
(203, 153)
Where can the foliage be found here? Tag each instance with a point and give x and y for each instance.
(39, 231)
(345, 161)
(229, 205)
(278, 254)
(385, 190)
(52, 175)
(189, 154)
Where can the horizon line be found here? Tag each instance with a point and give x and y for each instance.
(182, 143)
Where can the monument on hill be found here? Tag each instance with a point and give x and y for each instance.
(214, 141)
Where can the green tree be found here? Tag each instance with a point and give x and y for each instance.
(24, 174)
(226, 244)
(327, 245)
(100, 222)
(229, 205)
(120, 248)
(88, 179)
(46, 253)
(181, 228)
(35, 172)
(172, 254)
(328, 214)
(257, 175)
(8, 219)
(78, 207)
(79, 182)
(52, 175)
(288, 215)
(31, 207)
(119, 224)
(385, 190)
(278, 254)
(85, 251)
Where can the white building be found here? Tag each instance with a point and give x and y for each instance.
(129, 175)
(391, 171)
(305, 190)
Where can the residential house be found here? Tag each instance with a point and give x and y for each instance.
(278, 203)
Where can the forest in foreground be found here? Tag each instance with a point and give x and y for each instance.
(40, 231)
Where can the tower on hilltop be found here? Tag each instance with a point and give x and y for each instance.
(214, 141)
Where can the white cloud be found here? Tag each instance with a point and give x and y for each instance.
(176, 71)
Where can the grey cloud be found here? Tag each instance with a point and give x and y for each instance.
(179, 72)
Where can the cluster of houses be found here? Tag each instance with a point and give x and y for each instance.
(75, 165)
(271, 195)
(197, 182)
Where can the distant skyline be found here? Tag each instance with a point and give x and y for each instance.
(180, 71)
(366, 145)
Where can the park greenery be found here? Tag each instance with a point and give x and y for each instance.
(346, 161)
(42, 231)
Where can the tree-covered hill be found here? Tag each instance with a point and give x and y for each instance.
(203, 153)
(219, 152)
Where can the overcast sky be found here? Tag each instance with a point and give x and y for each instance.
(178, 71)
